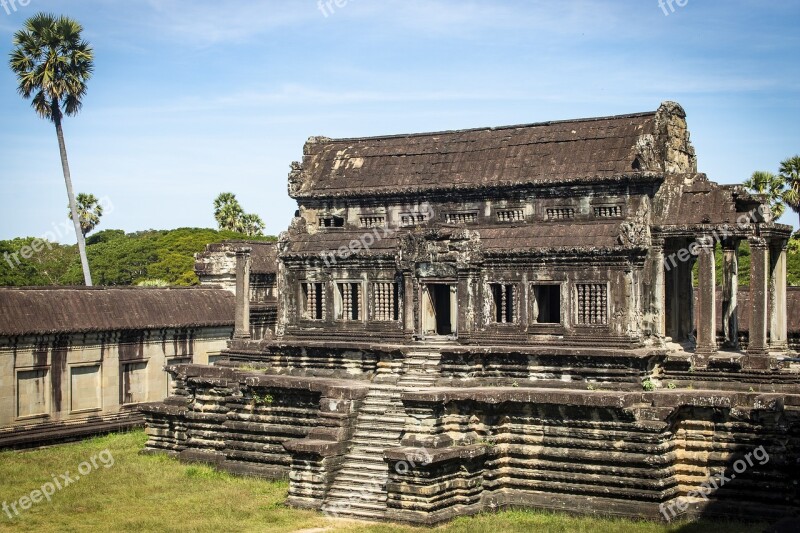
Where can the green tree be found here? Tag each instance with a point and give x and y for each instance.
(117, 258)
(52, 64)
(251, 225)
(790, 172)
(230, 216)
(227, 211)
(89, 211)
(771, 186)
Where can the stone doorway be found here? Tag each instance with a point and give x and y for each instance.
(679, 312)
(439, 310)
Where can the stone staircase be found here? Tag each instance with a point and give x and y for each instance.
(359, 489)
(421, 369)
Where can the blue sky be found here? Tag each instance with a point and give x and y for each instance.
(193, 98)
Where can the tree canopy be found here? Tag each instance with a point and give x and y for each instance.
(89, 212)
(117, 258)
(230, 216)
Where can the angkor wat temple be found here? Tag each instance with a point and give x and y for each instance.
(522, 316)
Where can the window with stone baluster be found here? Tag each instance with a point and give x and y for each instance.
(385, 304)
(504, 308)
(592, 304)
(349, 302)
(313, 301)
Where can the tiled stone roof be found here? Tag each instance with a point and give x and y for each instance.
(78, 309)
(548, 153)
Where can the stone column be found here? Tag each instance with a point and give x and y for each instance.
(658, 296)
(730, 292)
(778, 326)
(408, 303)
(242, 328)
(706, 304)
(757, 352)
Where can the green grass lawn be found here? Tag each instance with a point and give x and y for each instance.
(156, 493)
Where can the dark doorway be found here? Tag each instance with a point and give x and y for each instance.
(438, 309)
(441, 306)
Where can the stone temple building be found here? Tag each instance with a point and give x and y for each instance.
(216, 268)
(479, 319)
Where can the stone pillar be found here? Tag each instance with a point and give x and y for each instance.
(658, 296)
(778, 326)
(757, 352)
(242, 328)
(706, 302)
(730, 292)
(408, 303)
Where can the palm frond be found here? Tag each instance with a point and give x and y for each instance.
(52, 64)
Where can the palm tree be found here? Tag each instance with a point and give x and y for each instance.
(52, 64)
(227, 211)
(790, 172)
(251, 225)
(771, 186)
(89, 212)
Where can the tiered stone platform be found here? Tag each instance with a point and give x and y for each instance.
(424, 433)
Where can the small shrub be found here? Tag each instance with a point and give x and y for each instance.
(266, 399)
(648, 385)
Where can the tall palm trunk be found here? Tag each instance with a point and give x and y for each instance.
(87, 276)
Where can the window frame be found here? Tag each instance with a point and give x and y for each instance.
(515, 303)
(305, 313)
(339, 314)
(532, 301)
(576, 312)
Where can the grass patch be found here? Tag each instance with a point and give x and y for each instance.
(142, 493)
(157, 493)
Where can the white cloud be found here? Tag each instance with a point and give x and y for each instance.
(205, 22)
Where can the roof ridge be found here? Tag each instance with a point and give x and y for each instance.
(100, 288)
(489, 128)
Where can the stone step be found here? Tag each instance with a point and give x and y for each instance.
(379, 407)
(380, 388)
(376, 410)
(357, 487)
(368, 448)
(387, 420)
(417, 383)
(358, 499)
(378, 451)
(357, 511)
(378, 432)
(384, 399)
(360, 465)
(353, 480)
(369, 470)
(365, 459)
(358, 494)
(374, 426)
(391, 410)
(395, 395)
(371, 438)
(376, 435)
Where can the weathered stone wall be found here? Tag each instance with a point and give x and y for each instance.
(55, 387)
(255, 424)
(630, 454)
